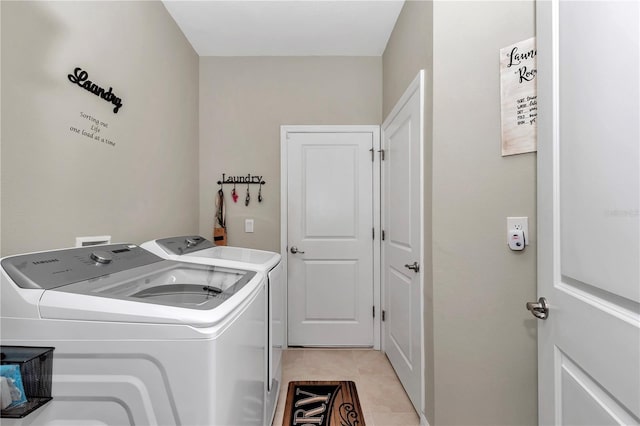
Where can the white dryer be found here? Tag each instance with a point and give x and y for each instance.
(197, 249)
(139, 340)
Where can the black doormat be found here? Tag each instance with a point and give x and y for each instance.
(323, 404)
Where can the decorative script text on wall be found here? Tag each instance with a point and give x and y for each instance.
(519, 101)
(81, 78)
(96, 132)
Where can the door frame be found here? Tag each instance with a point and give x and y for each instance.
(548, 169)
(417, 85)
(284, 200)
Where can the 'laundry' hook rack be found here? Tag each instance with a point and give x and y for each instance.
(248, 179)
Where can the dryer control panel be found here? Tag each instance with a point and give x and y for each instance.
(56, 268)
(184, 244)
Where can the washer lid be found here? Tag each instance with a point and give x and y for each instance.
(194, 248)
(256, 258)
(183, 285)
(164, 293)
(125, 283)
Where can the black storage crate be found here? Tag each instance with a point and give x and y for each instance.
(36, 368)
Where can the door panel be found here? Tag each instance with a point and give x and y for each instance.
(399, 176)
(585, 402)
(335, 214)
(400, 327)
(599, 150)
(402, 219)
(332, 291)
(589, 220)
(330, 222)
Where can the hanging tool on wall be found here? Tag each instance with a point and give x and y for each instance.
(260, 193)
(220, 209)
(220, 225)
(248, 197)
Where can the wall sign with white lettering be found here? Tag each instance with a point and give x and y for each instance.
(519, 97)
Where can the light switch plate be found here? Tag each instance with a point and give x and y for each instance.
(521, 222)
(248, 225)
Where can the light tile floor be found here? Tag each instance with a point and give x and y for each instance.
(383, 400)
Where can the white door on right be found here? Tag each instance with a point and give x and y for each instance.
(589, 212)
(402, 245)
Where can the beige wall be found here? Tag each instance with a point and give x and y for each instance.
(485, 341)
(243, 103)
(408, 51)
(57, 185)
(480, 341)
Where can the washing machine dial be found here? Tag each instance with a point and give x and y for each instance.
(192, 241)
(101, 256)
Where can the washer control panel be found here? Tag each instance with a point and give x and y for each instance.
(185, 244)
(51, 269)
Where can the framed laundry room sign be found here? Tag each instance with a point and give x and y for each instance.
(518, 97)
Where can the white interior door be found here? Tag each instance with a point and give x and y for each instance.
(330, 244)
(588, 217)
(402, 222)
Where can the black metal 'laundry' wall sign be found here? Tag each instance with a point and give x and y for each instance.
(81, 78)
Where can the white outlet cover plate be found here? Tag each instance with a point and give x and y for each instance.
(521, 222)
(248, 225)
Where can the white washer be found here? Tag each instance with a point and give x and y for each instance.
(197, 249)
(139, 340)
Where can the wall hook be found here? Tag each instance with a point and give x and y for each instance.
(249, 180)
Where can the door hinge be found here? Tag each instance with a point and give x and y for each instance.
(372, 154)
(373, 233)
(374, 311)
(383, 315)
(383, 235)
(381, 151)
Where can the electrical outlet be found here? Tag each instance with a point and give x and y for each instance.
(520, 224)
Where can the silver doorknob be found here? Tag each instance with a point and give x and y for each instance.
(415, 267)
(539, 309)
(295, 250)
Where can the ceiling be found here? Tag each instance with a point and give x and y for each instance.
(286, 28)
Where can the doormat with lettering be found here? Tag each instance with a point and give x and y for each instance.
(322, 404)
